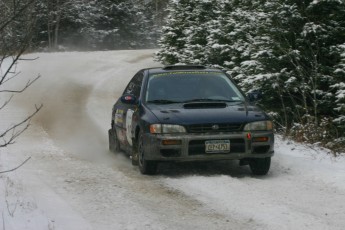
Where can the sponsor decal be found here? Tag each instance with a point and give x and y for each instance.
(119, 116)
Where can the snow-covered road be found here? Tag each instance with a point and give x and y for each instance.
(74, 182)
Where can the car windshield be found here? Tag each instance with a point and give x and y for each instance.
(183, 87)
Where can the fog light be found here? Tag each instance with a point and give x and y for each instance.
(171, 142)
(260, 139)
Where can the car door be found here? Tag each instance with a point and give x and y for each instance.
(123, 114)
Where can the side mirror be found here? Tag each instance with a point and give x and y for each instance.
(128, 99)
(254, 95)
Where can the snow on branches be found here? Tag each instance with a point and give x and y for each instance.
(291, 50)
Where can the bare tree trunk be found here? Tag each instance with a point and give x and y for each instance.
(285, 115)
(314, 83)
(14, 7)
(49, 35)
(56, 31)
(303, 93)
(297, 115)
(156, 7)
(280, 93)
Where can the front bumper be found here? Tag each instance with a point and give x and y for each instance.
(191, 147)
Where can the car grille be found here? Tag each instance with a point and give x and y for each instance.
(214, 128)
(197, 147)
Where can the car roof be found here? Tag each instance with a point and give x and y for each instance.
(176, 68)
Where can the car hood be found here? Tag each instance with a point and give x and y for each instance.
(201, 113)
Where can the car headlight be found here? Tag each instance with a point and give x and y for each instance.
(259, 126)
(164, 128)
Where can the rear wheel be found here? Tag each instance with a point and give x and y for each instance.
(145, 166)
(260, 166)
(114, 145)
(134, 154)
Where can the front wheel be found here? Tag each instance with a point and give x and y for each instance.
(260, 166)
(114, 145)
(145, 166)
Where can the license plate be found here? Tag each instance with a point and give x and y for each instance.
(217, 146)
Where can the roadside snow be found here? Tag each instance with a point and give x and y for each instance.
(73, 182)
(304, 190)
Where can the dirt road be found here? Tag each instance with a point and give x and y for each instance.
(87, 187)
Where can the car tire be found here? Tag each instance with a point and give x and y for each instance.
(260, 166)
(145, 166)
(114, 145)
(134, 154)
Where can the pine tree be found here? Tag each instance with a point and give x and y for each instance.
(291, 50)
(185, 35)
(96, 24)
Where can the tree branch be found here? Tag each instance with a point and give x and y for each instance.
(28, 84)
(11, 170)
(15, 133)
(28, 59)
(19, 12)
(14, 61)
(6, 103)
(8, 79)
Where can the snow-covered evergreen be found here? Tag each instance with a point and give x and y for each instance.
(97, 24)
(291, 50)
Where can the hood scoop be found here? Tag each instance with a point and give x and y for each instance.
(205, 105)
(170, 111)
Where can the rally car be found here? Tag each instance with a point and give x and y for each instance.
(189, 113)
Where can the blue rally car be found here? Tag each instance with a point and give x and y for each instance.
(189, 113)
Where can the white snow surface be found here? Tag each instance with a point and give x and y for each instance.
(73, 182)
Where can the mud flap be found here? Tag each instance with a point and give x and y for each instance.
(111, 140)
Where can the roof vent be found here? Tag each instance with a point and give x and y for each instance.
(183, 67)
(205, 105)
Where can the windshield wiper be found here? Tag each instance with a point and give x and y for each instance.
(163, 102)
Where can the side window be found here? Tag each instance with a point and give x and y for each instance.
(134, 85)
